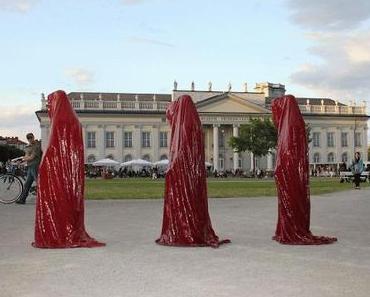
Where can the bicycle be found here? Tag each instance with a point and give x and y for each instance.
(11, 187)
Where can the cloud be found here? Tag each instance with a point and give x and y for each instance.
(135, 39)
(329, 15)
(80, 76)
(132, 2)
(21, 6)
(18, 120)
(344, 66)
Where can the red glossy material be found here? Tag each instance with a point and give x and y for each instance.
(186, 221)
(291, 176)
(60, 197)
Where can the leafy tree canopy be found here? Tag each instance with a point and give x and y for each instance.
(9, 152)
(257, 136)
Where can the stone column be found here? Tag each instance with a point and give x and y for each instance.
(351, 144)
(215, 147)
(155, 143)
(270, 165)
(44, 136)
(364, 144)
(101, 142)
(338, 146)
(252, 161)
(236, 154)
(136, 138)
(119, 143)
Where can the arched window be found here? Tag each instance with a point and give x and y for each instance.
(146, 158)
(128, 158)
(345, 157)
(91, 159)
(163, 157)
(331, 158)
(316, 158)
(110, 156)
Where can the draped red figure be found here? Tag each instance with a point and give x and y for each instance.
(60, 196)
(291, 175)
(186, 221)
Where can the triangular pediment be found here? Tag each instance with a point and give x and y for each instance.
(229, 103)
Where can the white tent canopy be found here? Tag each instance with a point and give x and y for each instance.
(136, 162)
(162, 163)
(208, 164)
(106, 162)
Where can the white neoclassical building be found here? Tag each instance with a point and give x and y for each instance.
(125, 126)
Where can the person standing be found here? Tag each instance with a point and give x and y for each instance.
(357, 168)
(32, 159)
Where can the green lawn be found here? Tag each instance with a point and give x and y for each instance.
(145, 188)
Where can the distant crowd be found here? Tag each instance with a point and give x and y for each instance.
(332, 171)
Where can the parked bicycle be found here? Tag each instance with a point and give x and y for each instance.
(11, 184)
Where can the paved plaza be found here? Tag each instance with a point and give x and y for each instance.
(133, 265)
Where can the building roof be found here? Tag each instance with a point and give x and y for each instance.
(313, 101)
(12, 140)
(120, 96)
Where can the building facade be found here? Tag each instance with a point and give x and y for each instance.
(126, 126)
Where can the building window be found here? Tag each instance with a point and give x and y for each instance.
(344, 139)
(221, 163)
(162, 139)
(163, 157)
(316, 139)
(331, 158)
(146, 158)
(91, 140)
(330, 139)
(221, 139)
(128, 158)
(127, 139)
(345, 157)
(91, 159)
(240, 163)
(316, 158)
(357, 139)
(145, 139)
(109, 139)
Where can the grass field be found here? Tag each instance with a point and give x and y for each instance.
(145, 188)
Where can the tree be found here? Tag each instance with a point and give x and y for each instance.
(9, 152)
(258, 136)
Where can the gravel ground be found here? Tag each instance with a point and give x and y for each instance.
(133, 265)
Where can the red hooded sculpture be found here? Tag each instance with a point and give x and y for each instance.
(186, 221)
(60, 197)
(291, 175)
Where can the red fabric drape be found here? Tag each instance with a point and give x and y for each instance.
(59, 219)
(291, 175)
(186, 221)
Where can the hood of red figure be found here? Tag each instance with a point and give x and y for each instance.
(182, 111)
(58, 104)
(282, 107)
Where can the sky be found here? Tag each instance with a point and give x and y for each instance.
(316, 48)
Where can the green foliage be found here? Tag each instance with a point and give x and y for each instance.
(257, 136)
(9, 152)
